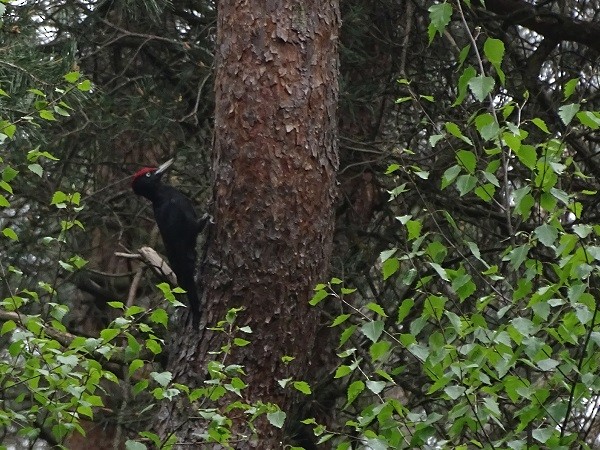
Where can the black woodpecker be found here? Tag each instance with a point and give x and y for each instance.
(179, 227)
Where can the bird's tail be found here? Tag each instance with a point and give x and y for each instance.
(194, 301)
(202, 222)
(195, 313)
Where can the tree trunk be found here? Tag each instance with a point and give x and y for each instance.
(275, 158)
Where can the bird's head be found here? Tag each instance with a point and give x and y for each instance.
(146, 180)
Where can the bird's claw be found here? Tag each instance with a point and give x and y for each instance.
(207, 217)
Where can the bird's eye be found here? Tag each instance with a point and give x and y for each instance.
(148, 174)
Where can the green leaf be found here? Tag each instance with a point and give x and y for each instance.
(36, 92)
(379, 350)
(340, 319)
(375, 386)
(524, 326)
(108, 334)
(386, 254)
(463, 286)
(487, 126)
(454, 392)
(397, 191)
(463, 83)
(34, 155)
(582, 231)
(84, 86)
(302, 386)
(375, 443)
(377, 309)
(9, 174)
(465, 184)
(7, 187)
(455, 131)
(524, 201)
(481, 86)
(527, 155)
(589, 119)
(160, 316)
(135, 365)
(354, 390)
(439, 16)
(546, 234)
(583, 313)
(494, 51)
(436, 251)
(318, 297)
(434, 306)
(58, 198)
(547, 364)
(372, 330)
(390, 267)
(277, 418)
(542, 434)
(435, 138)
(7, 327)
(162, 378)
(467, 160)
(540, 124)
(464, 52)
(514, 143)
(569, 88)
(422, 174)
(414, 229)
(491, 177)
(239, 342)
(347, 333)
(518, 255)
(46, 114)
(450, 175)
(492, 406)
(133, 445)
(567, 112)
(420, 351)
(133, 310)
(72, 77)
(61, 111)
(153, 346)
(404, 309)
(342, 371)
(9, 129)
(10, 233)
(284, 382)
(392, 168)
(485, 192)
(36, 169)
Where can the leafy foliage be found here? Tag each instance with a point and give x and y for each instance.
(503, 339)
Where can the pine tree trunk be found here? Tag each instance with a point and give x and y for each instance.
(275, 158)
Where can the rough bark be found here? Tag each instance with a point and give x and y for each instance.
(275, 158)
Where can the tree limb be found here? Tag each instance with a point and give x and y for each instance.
(552, 25)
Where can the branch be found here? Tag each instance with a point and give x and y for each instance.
(62, 337)
(151, 257)
(552, 25)
(117, 359)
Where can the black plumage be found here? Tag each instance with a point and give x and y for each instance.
(179, 227)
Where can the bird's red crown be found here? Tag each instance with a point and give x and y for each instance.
(142, 172)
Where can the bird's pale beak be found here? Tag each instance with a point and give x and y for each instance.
(164, 166)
